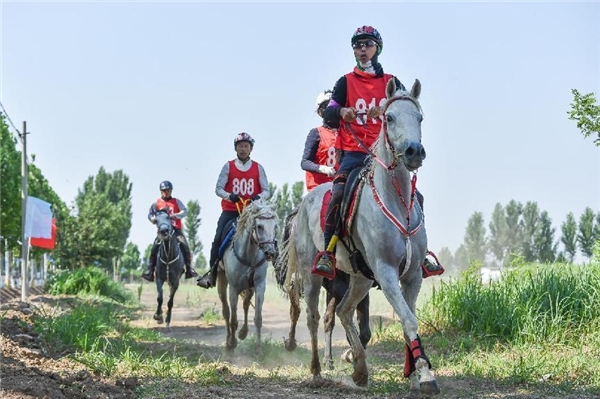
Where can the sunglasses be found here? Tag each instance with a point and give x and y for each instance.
(364, 43)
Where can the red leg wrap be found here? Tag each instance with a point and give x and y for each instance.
(418, 352)
(409, 362)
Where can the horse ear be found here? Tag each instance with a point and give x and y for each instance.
(416, 89)
(390, 88)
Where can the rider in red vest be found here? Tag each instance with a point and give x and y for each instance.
(241, 180)
(177, 211)
(358, 99)
(319, 157)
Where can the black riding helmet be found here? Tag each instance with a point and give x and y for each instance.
(166, 185)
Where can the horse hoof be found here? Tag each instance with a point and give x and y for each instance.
(414, 393)
(360, 379)
(243, 334)
(329, 364)
(159, 319)
(430, 388)
(348, 355)
(290, 344)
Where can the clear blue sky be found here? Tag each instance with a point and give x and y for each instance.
(160, 90)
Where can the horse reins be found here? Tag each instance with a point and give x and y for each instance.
(390, 169)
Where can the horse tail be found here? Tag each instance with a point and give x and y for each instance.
(292, 275)
(280, 266)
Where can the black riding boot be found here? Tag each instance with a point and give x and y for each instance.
(149, 275)
(325, 262)
(209, 279)
(189, 271)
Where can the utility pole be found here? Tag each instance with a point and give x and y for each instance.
(24, 239)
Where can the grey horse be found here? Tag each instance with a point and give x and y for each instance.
(388, 230)
(244, 269)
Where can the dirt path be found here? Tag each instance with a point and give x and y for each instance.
(186, 323)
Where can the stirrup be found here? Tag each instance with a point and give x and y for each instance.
(148, 276)
(436, 271)
(318, 259)
(190, 273)
(204, 281)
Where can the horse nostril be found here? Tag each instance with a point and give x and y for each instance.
(415, 149)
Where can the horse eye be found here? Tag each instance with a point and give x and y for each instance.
(389, 118)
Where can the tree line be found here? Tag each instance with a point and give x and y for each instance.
(523, 232)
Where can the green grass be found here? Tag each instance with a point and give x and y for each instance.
(537, 328)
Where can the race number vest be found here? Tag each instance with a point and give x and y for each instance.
(364, 91)
(173, 208)
(245, 184)
(325, 156)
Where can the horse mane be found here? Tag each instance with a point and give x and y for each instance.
(251, 212)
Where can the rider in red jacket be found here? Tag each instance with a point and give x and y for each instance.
(357, 99)
(319, 158)
(177, 211)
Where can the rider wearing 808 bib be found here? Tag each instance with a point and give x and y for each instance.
(319, 157)
(241, 180)
(358, 99)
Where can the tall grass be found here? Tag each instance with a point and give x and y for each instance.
(538, 304)
(87, 281)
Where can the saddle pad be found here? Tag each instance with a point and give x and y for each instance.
(326, 199)
(227, 239)
(349, 201)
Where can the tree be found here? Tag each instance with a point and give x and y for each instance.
(131, 261)
(461, 259)
(10, 188)
(192, 224)
(529, 225)
(569, 237)
(585, 237)
(103, 219)
(586, 113)
(446, 258)
(513, 211)
(543, 239)
(498, 233)
(297, 193)
(475, 241)
(286, 200)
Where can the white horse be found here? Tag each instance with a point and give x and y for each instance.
(244, 268)
(387, 229)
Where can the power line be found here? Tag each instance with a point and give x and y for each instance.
(9, 120)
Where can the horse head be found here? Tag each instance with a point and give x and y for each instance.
(163, 224)
(261, 220)
(402, 125)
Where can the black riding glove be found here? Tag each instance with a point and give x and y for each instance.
(234, 197)
(255, 198)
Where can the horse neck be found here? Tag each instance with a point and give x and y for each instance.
(244, 239)
(171, 245)
(394, 185)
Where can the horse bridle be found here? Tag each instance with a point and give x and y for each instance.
(254, 239)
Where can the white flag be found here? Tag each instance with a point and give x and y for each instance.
(38, 219)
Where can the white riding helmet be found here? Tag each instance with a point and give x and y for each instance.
(323, 97)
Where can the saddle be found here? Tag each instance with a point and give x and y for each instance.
(228, 233)
(354, 183)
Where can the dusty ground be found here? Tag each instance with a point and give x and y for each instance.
(31, 370)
